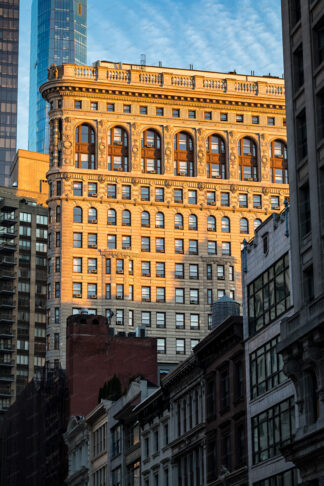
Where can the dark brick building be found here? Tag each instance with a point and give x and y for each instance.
(221, 356)
(94, 356)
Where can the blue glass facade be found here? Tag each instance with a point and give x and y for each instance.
(58, 35)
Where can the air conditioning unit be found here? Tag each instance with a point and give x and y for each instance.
(77, 296)
(119, 297)
(93, 270)
(257, 207)
(92, 296)
(160, 300)
(179, 226)
(126, 248)
(146, 299)
(150, 145)
(275, 207)
(145, 274)
(217, 177)
(117, 143)
(211, 203)
(120, 272)
(93, 194)
(221, 277)
(193, 302)
(119, 169)
(92, 245)
(250, 179)
(179, 251)
(160, 250)
(92, 221)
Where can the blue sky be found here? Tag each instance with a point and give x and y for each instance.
(216, 35)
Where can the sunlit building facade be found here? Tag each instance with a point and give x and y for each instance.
(58, 35)
(156, 176)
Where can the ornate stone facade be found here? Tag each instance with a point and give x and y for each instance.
(188, 167)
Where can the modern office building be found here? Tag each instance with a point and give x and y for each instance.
(302, 339)
(9, 22)
(270, 395)
(58, 35)
(23, 280)
(156, 176)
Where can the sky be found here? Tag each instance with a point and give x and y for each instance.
(213, 35)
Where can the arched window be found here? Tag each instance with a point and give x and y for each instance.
(77, 215)
(159, 220)
(92, 215)
(211, 223)
(226, 226)
(151, 152)
(145, 219)
(178, 221)
(126, 218)
(244, 225)
(112, 217)
(183, 155)
(118, 149)
(248, 161)
(257, 223)
(85, 147)
(278, 162)
(193, 222)
(216, 157)
(58, 214)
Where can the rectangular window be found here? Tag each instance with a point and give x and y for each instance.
(194, 296)
(78, 105)
(146, 269)
(239, 118)
(243, 200)
(108, 291)
(209, 272)
(77, 240)
(160, 269)
(120, 266)
(298, 68)
(160, 319)
(77, 265)
(58, 239)
(180, 346)
(274, 202)
(159, 194)
(223, 117)
(92, 265)
(77, 290)
(210, 321)
(225, 199)
(112, 192)
(160, 294)
(194, 321)
(131, 267)
(131, 318)
(194, 271)
(192, 114)
(226, 248)
(179, 296)
(212, 247)
(56, 316)
(92, 240)
(145, 244)
(126, 242)
(145, 193)
(179, 270)
(120, 291)
(192, 197)
(266, 368)
(92, 189)
(159, 112)
(220, 272)
(287, 478)
(193, 247)
(94, 105)
(143, 110)
(119, 317)
(208, 115)
(269, 295)
(159, 245)
(318, 42)
(176, 113)
(127, 109)
(126, 192)
(57, 289)
(178, 195)
(146, 319)
(257, 201)
(255, 120)
(271, 121)
(58, 264)
(92, 291)
(108, 266)
(211, 198)
(231, 273)
(178, 246)
(112, 242)
(273, 429)
(304, 210)
(161, 345)
(180, 321)
(146, 294)
(110, 106)
(209, 296)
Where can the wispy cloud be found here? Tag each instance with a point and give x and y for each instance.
(217, 35)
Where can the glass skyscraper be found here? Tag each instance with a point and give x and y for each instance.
(9, 35)
(58, 35)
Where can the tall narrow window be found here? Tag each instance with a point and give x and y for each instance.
(278, 162)
(216, 157)
(183, 155)
(151, 152)
(85, 147)
(118, 150)
(248, 162)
